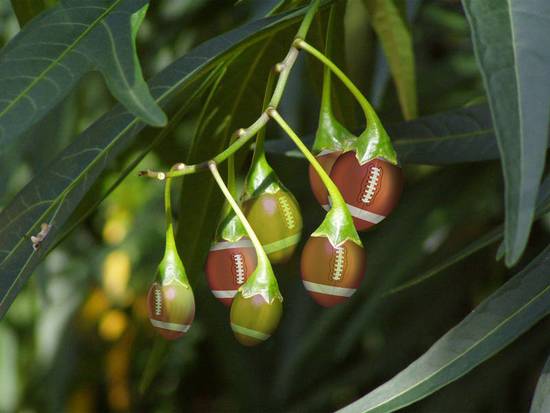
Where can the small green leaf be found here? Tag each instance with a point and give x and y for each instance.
(541, 399)
(396, 40)
(510, 41)
(496, 322)
(47, 58)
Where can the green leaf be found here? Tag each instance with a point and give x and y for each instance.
(541, 399)
(55, 193)
(458, 136)
(391, 28)
(25, 10)
(496, 322)
(543, 206)
(47, 58)
(510, 42)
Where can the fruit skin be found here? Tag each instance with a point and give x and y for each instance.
(225, 271)
(277, 221)
(171, 308)
(371, 191)
(326, 159)
(253, 319)
(331, 275)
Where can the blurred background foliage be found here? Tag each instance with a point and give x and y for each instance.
(77, 337)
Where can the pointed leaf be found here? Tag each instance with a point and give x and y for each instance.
(510, 41)
(396, 40)
(47, 58)
(495, 323)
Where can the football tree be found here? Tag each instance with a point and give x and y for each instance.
(244, 227)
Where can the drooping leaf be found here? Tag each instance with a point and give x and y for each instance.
(25, 10)
(396, 40)
(510, 43)
(47, 58)
(496, 322)
(54, 194)
(541, 399)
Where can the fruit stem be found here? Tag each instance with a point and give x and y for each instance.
(243, 135)
(336, 197)
(379, 144)
(170, 241)
(263, 261)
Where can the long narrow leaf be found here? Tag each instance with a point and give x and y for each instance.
(511, 44)
(541, 400)
(495, 323)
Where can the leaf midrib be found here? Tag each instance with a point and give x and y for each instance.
(57, 60)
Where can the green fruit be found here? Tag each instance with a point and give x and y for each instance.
(253, 319)
(277, 221)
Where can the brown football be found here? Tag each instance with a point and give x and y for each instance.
(326, 159)
(171, 308)
(371, 191)
(332, 275)
(228, 266)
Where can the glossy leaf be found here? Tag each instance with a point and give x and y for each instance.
(396, 40)
(510, 42)
(54, 194)
(48, 57)
(496, 322)
(541, 399)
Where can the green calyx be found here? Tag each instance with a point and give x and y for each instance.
(331, 135)
(261, 178)
(171, 267)
(262, 282)
(230, 228)
(338, 227)
(374, 142)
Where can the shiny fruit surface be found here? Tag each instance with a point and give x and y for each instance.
(331, 275)
(371, 191)
(228, 266)
(171, 308)
(253, 319)
(326, 160)
(277, 221)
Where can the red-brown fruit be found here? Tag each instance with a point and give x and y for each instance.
(326, 159)
(331, 275)
(228, 266)
(371, 191)
(171, 308)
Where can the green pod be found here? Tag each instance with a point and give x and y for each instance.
(277, 221)
(253, 319)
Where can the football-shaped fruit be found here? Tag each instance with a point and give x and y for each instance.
(253, 319)
(228, 266)
(331, 275)
(326, 159)
(371, 191)
(171, 308)
(277, 221)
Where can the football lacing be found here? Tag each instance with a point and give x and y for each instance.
(287, 212)
(338, 270)
(239, 268)
(158, 301)
(374, 179)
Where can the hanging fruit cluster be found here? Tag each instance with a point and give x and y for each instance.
(356, 179)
